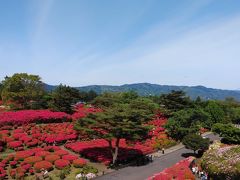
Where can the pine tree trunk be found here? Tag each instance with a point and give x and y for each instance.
(115, 154)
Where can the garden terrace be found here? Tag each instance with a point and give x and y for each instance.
(30, 162)
(33, 135)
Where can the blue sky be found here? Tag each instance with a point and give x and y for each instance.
(83, 42)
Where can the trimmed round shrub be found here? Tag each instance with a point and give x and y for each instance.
(69, 157)
(38, 166)
(52, 148)
(21, 155)
(12, 173)
(14, 144)
(52, 158)
(26, 167)
(61, 152)
(61, 163)
(35, 150)
(32, 159)
(13, 164)
(42, 153)
(79, 162)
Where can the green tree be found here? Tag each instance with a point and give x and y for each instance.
(216, 112)
(118, 120)
(63, 97)
(235, 115)
(88, 96)
(106, 100)
(186, 121)
(175, 101)
(23, 89)
(177, 131)
(195, 142)
(228, 132)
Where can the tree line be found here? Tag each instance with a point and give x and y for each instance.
(26, 91)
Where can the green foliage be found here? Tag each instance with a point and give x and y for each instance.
(195, 142)
(124, 116)
(186, 121)
(63, 97)
(164, 143)
(235, 115)
(175, 101)
(216, 112)
(87, 96)
(106, 100)
(64, 172)
(228, 132)
(22, 89)
(87, 169)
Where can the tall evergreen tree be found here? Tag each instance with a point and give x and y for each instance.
(119, 119)
(63, 97)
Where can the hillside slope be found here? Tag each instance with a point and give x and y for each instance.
(145, 89)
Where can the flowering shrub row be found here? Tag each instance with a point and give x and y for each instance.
(33, 135)
(179, 171)
(34, 160)
(32, 116)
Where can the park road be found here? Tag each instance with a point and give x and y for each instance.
(159, 164)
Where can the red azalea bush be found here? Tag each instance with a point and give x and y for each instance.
(180, 170)
(61, 163)
(32, 116)
(3, 173)
(52, 158)
(82, 111)
(21, 155)
(69, 157)
(12, 173)
(32, 143)
(32, 135)
(14, 144)
(26, 167)
(13, 164)
(79, 162)
(32, 159)
(61, 152)
(43, 165)
(42, 153)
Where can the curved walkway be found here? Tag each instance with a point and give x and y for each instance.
(160, 163)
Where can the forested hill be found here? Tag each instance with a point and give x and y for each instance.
(145, 89)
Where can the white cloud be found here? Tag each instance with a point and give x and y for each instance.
(208, 55)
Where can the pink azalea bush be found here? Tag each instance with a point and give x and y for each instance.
(31, 116)
(180, 171)
(222, 161)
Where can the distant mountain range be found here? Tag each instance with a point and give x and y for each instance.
(145, 89)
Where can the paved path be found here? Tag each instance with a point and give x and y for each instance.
(160, 163)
